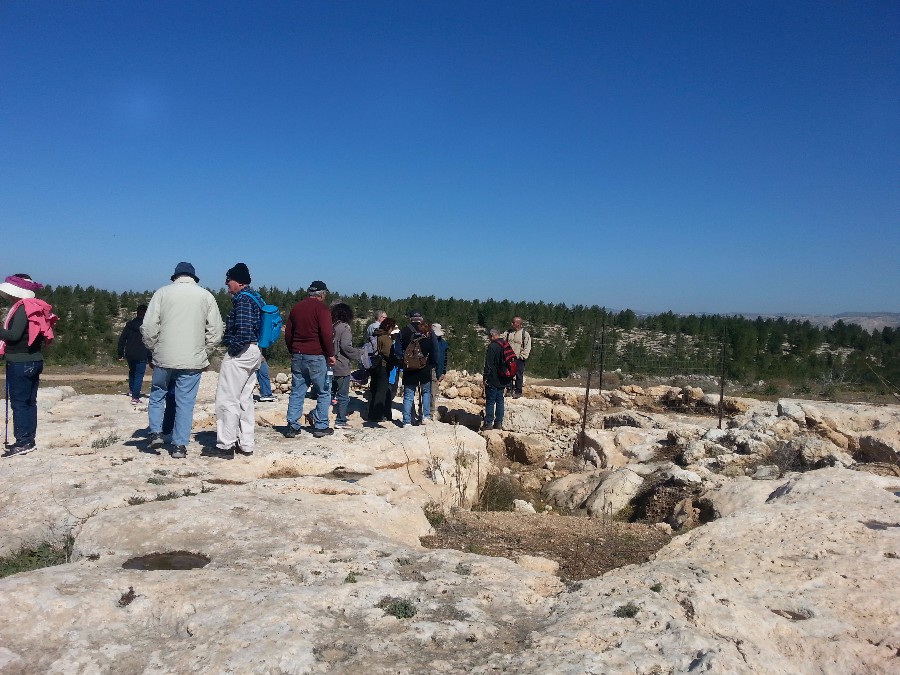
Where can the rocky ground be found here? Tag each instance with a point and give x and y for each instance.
(757, 548)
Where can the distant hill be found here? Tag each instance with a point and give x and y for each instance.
(869, 321)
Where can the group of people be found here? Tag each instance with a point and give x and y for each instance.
(178, 330)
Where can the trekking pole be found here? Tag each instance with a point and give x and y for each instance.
(6, 431)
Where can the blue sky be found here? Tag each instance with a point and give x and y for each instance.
(693, 156)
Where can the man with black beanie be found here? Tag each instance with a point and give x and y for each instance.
(235, 421)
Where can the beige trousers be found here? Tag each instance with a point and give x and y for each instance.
(235, 421)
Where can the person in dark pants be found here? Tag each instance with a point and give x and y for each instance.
(380, 395)
(132, 349)
(494, 385)
(520, 341)
(29, 322)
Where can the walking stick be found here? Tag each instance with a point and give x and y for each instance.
(6, 431)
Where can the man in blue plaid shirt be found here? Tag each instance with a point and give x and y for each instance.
(235, 420)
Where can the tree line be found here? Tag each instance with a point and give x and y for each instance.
(761, 349)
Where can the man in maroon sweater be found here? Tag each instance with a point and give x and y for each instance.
(307, 334)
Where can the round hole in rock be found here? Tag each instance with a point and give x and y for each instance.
(173, 560)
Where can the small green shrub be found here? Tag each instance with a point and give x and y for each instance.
(45, 554)
(105, 441)
(154, 480)
(463, 569)
(500, 492)
(628, 611)
(401, 608)
(134, 500)
(435, 514)
(351, 578)
(656, 588)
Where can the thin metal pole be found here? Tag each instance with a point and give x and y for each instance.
(722, 382)
(579, 447)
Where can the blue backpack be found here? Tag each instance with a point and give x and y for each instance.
(270, 322)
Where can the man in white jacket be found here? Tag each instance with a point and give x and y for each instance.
(182, 327)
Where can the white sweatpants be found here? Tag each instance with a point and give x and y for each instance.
(234, 399)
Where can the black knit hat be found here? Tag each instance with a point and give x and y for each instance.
(238, 273)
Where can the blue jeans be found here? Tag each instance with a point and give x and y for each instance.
(136, 370)
(308, 370)
(341, 386)
(180, 386)
(22, 380)
(262, 376)
(409, 397)
(493, 399)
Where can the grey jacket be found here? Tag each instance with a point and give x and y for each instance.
(344, 351)
(182, 326)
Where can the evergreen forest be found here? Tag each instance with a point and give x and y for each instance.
(747, 350)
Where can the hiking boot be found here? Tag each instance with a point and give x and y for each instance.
(291, 432)
(156, 440)
(310, 419)
(319, 433)
(19, 449)
(179, 452)
(486, 427)
(498, 426)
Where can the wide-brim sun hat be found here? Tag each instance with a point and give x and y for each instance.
(19, 287)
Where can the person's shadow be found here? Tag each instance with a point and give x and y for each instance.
(207, 441)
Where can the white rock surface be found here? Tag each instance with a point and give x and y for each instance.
(309, 540)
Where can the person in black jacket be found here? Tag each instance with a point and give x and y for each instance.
(494, 385)
(420, 377)
(132, 349)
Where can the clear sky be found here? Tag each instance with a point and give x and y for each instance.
(702, 156)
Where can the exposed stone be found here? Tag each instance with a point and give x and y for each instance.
(565, 416)
(879, 448)
(527, 415)
(614, 493)
(571, 491)
(526, 449)
(521, 506)
(538, 564)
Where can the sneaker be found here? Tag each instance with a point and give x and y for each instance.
(486, 427)
(291, 432)
(180, 452)
(342, 425)
(19, 449)
(426, 420)
(319, 433)
(135, 401)
(267, 399)
(407, 426)
(156, 440)
(518, 394)
(240, 451)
